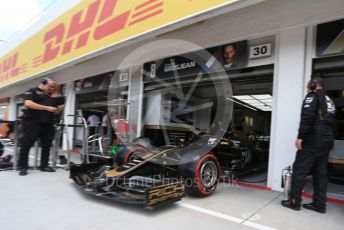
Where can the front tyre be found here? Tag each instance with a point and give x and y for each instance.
(205, 176)
(126, 155)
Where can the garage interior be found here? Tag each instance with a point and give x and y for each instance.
(249, 126)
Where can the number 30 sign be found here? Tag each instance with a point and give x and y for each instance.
(260, 51)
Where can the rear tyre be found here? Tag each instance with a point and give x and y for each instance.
(205, 176)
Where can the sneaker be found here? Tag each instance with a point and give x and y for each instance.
(292, 204)
(314, 207)
(22, 172)
(47, 169)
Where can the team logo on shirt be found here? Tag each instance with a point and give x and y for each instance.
(331, 108)
(309, 100)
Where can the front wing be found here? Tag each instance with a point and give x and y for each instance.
(144, 193)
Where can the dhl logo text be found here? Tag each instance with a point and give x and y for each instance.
(9, 68)
(63, 39)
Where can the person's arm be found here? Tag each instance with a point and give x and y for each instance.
(33, 105)
(308, 115)
(60, 108)
(29, 103)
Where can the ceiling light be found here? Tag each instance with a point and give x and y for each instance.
(266, 100)
(262, 96)
(241, 104)
(245, 97)
(261, 101)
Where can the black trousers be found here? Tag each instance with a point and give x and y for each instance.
(313, 158)
(91, 130)
(33, 132)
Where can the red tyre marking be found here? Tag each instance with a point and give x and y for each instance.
(198, 176)
(126, 159)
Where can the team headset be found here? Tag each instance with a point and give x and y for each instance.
(45, 80)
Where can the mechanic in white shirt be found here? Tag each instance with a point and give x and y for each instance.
(93, 123)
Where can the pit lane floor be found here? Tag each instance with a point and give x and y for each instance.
(41, 201)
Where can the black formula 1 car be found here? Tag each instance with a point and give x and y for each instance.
(150, 177)
(155, 176)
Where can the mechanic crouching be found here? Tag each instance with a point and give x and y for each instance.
(314, 142)
(39, 123)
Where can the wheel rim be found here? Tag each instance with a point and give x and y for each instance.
(208, 174)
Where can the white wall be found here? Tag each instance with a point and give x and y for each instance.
(12, 109)
(288, 93)
(135, 107)
(153, 115)
(69, 110)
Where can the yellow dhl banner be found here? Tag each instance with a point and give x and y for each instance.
(91, 26)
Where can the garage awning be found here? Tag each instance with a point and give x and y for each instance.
(94, 27)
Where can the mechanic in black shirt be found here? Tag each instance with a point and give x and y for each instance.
(39, 121)
(314, 142)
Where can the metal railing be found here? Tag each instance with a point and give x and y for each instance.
(61, 128)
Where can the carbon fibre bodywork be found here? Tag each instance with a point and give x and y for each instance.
(149, 181)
